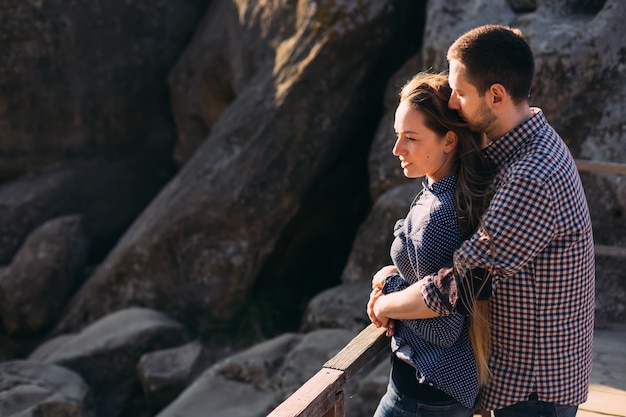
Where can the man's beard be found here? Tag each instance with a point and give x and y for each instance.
(483, 119)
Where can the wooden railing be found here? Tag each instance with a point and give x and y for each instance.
(604, 168)
(600, 167)
(322, 395)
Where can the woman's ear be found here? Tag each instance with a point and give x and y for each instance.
(450, 141)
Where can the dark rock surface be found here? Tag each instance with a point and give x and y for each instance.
(194, 195)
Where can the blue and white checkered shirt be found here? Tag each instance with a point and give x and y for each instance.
(542, 308)
(424, 242)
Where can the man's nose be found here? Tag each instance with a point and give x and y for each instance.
(453, 103)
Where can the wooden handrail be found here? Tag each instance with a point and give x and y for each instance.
(607, 168)
(600, 167)
(612, 251)
(322, 394)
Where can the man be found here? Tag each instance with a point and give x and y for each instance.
(535, 241)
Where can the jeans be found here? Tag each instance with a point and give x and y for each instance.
(537, 409)
(395, 404)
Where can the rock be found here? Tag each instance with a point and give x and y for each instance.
(106, 353)
(166, 373)
(217, 221)
(610, 291)
(341, 307)
(523, 6)
(221, 397)
(253, 382)
(373, 241)
(43, 275)
(109, 194)
(80, 80)
(29, 202)
(241, 385)
(373, 385)
(258, 364)
(382, 166)
(34, 389)
(231, 56)
(308, 356)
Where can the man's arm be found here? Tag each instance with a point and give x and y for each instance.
(404, 305)
(400, 305)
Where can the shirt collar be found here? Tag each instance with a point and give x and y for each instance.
(502, 149)
(441, 186)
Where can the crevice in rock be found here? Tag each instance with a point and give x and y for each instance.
(312, 251)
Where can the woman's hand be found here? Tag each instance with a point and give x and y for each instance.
(376, 316)
(374, 296)
(379, 277)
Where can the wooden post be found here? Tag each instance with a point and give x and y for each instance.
(339, 408)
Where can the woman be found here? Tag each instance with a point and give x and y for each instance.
(436, 369)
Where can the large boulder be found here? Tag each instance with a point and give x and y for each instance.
(107, 352)
(373, 241)
(220, 61)
(108, 193)
(197, 248)
(85, 79)
(34, 389)
(383, 168)
(166, 373)
(253, 382)
(340, 307)
(241, 385)
(42, 276)
(27, 203)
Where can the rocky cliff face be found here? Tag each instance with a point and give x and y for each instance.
(226, 166)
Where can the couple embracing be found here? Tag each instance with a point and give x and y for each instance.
(490, 298)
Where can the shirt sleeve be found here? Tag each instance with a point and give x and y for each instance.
(518, 225)
(440, 331)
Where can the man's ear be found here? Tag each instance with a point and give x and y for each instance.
(450, 141)
(497, 93)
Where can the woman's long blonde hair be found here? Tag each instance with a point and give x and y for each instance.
(429, 93)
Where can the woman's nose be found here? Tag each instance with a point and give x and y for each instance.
(397, 148)
(453, 103)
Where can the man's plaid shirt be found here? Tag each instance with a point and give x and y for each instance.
(541, 252)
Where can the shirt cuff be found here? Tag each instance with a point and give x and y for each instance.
(440, 291)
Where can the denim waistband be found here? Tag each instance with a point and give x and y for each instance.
(403, 377)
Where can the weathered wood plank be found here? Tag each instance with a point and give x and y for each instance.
(613, 251)
(584, 413)
(600, 167)
(364, 347)
(340, 406)
(606, 401)
(316, 397)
